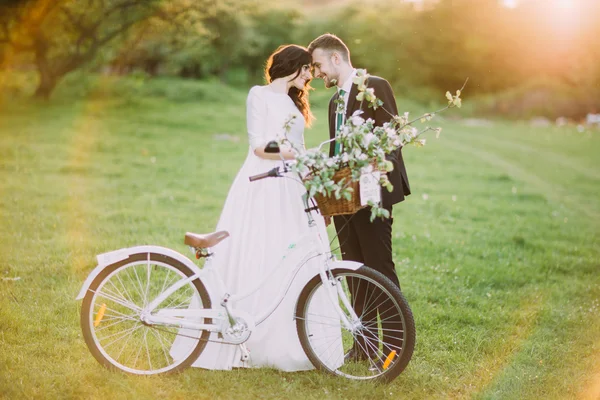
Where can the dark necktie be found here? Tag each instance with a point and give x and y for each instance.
(338, 124)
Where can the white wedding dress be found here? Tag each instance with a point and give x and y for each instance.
(263, 218)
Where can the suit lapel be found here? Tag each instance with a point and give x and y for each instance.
(332, 108)
(332, 117)
(351, 100)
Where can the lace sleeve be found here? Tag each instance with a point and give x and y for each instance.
(256, 118)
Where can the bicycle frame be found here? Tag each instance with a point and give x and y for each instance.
(310, 246)
(180, 317)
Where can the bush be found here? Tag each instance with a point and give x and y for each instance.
(16, 84)
(542, 97)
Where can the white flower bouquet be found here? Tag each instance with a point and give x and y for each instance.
(334, 180)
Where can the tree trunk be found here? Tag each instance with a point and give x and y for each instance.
(48, 80)
(253, 76)
(198, 73)
(223, 69)
(46, 86)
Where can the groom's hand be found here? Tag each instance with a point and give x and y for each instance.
(327, 220)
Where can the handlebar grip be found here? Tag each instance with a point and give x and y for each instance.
(272, 173)
(259, 176)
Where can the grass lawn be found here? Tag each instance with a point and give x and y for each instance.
(497, 248)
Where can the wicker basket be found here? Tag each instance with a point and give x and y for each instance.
(330, 206)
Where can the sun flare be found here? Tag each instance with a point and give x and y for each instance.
(559, 4)
(564, 4)
(566, 14)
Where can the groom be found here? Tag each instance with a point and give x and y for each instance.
(360, 239)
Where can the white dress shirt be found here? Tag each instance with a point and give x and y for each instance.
(347, 86)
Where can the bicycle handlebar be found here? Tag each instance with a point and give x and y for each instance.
(271, 173)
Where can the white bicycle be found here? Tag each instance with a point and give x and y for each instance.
(138, 301)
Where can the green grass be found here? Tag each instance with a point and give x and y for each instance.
(497, 248)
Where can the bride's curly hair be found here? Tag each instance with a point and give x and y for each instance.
(287, 60)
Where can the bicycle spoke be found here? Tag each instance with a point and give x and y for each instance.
(148, 273)
(361, 346)
(381, 331)
(319, 337)
(106, 326)
(393, 316)
(370, 327)
(163, 347)
(116, 299)
(365, 309)
(117, 293)
(175, 299)
(388, 345)
(167, 283)
(116, 290)
(122, 334)
(147, 348)
(113, 326)
(141, 291)
(137, 355)
(332, 353)
(318, 322)
(131, 316)
(385, 312)
(323, 316)
(121, 302)
(372, 343)
(364, 301)
(110, 317)
(368, 306)
(128, 295)
(123, 347)
(185, 303)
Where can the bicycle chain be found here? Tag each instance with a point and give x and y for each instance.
(195, 338)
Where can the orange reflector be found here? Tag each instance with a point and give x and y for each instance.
(100, 315)
(389, 359)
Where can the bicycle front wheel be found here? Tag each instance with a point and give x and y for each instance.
(381, 340)
(111, 319)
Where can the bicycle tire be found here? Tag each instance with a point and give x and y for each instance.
(91, 309)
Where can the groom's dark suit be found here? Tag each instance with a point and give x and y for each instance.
(361, 240)
(384, 92)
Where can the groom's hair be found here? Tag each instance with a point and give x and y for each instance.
(330, 42)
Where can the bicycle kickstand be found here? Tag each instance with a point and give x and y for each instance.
(245, 352)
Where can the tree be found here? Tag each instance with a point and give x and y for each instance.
(192, 39)
(61, 36)
(268, 29)
(167, 37)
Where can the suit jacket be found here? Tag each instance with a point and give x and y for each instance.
(384, 92)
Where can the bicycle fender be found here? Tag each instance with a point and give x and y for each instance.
(341, 264)
(352, 265)
(106, 259)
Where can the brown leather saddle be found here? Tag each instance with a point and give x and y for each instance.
(205, 241)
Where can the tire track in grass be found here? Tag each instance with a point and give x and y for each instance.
(591, 391)
(491, 366)
(526, 318)
(553, 192)
(565, 162)
(86, 130)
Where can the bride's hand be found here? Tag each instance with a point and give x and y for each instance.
(285, 152)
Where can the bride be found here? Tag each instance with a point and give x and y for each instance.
(263, 219)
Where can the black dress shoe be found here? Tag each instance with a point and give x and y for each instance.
(355, 355)
(376, 365)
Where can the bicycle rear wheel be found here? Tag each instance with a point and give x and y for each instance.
(380, 343)
(111, 316)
